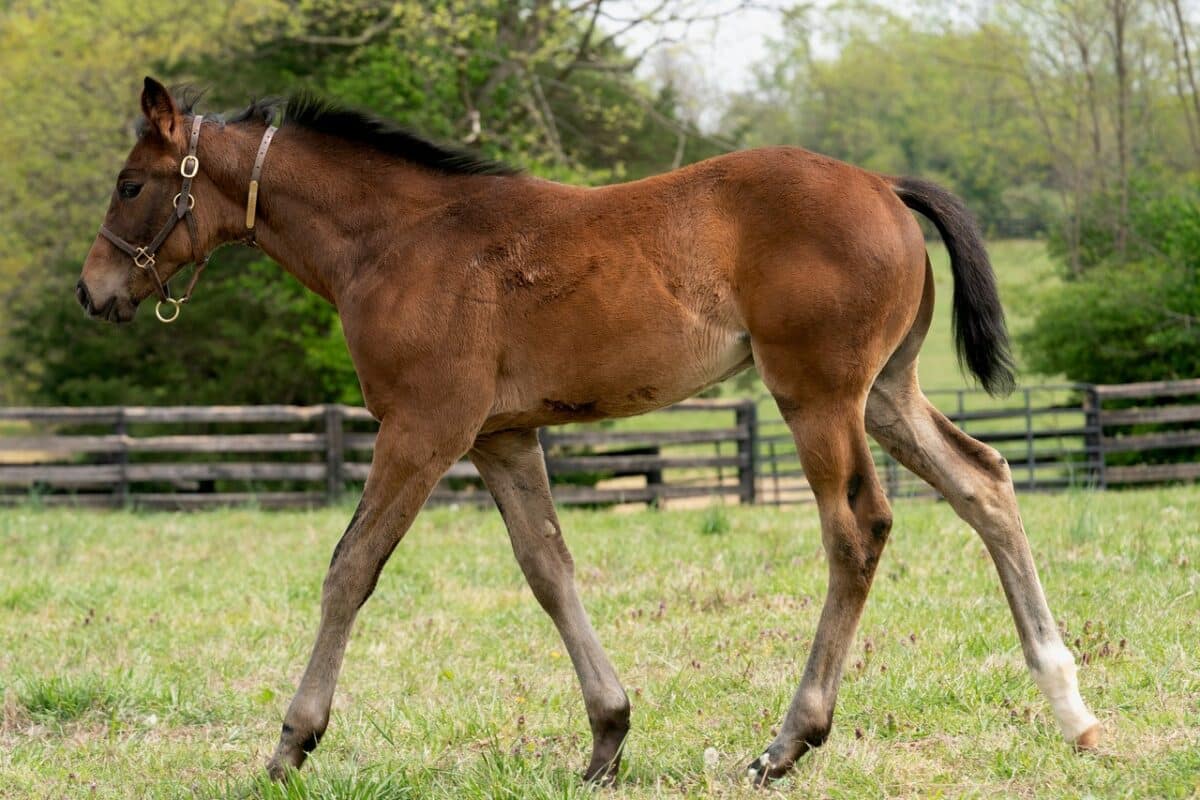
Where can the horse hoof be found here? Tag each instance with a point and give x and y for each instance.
(602, 780)
(766, 770)
(603, 775)
(1089, 740)
(282, 765)
(276, 771)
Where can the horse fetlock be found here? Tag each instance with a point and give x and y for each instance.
(609, 721)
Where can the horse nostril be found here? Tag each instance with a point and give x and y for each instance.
(83, 295)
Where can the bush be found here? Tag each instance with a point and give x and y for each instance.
(1129, 320)
(252, 334)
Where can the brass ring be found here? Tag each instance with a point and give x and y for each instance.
(169, 301)
(191, 200)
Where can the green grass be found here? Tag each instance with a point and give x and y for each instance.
(152, 655)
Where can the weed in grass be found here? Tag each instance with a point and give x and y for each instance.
(24, 596)
(61, 698)
(715, 520)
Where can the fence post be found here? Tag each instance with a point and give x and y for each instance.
(122, 429)
(775, 472)
(891, 472)
(1094, 438)
(1030, 447)
(335, 453)
(747, 448)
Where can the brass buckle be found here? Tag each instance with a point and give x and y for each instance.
(143, 259)
(191, 200)
(189, 162)
(171, 301)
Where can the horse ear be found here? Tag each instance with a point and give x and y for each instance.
(159, 108)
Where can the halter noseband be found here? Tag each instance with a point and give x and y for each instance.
(143, 257)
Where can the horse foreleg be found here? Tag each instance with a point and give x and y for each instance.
(407, 464)
(514, 469)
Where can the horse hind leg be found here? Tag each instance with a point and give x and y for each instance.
(976, 481)
(855, 523)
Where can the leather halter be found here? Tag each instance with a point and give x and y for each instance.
(144, 256)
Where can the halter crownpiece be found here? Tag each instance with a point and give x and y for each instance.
(255, 174)
(184, 202)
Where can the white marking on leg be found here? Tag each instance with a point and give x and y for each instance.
(1055, 676)
(764, 766)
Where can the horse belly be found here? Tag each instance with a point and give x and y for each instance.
(615, 377)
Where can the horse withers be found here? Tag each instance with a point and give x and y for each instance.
(480, 304)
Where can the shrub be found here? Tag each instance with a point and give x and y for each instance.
(1129, 320)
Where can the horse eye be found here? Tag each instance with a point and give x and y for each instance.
(129, 190)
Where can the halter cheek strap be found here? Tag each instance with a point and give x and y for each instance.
(144, 256)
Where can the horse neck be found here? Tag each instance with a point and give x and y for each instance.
(322, 205)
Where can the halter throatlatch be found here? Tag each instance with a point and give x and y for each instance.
(144, 256)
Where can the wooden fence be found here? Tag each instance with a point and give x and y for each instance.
(1054, 437)
(1050, 438)
(1149, 432)
(287, 456)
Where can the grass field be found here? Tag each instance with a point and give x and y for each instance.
(146, 655)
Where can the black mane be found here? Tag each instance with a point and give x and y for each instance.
(316, 114)
(322, 116)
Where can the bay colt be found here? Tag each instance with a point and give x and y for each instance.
(480, 304)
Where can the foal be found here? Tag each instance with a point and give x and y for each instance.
(480, 304)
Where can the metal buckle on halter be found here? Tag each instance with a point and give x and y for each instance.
(171, 301)
(189, 162)
(191, 200)
(143, 259)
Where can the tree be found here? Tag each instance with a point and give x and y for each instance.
(901, 99)
(545, 84)
(1134, 315)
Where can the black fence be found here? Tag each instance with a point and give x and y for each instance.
(1054, 437)
(289, 456)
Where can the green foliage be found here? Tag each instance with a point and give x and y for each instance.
(506, 77)
(902, 100)
(61, 699)
(715, 521)
(1134, 318)
(248, 336)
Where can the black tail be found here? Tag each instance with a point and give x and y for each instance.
(980, 334)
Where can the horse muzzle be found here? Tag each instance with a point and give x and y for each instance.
(111, 309)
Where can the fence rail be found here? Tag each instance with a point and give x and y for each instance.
(1046, 433)
(289, 456)
(1054, 437)
(1149, 431)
